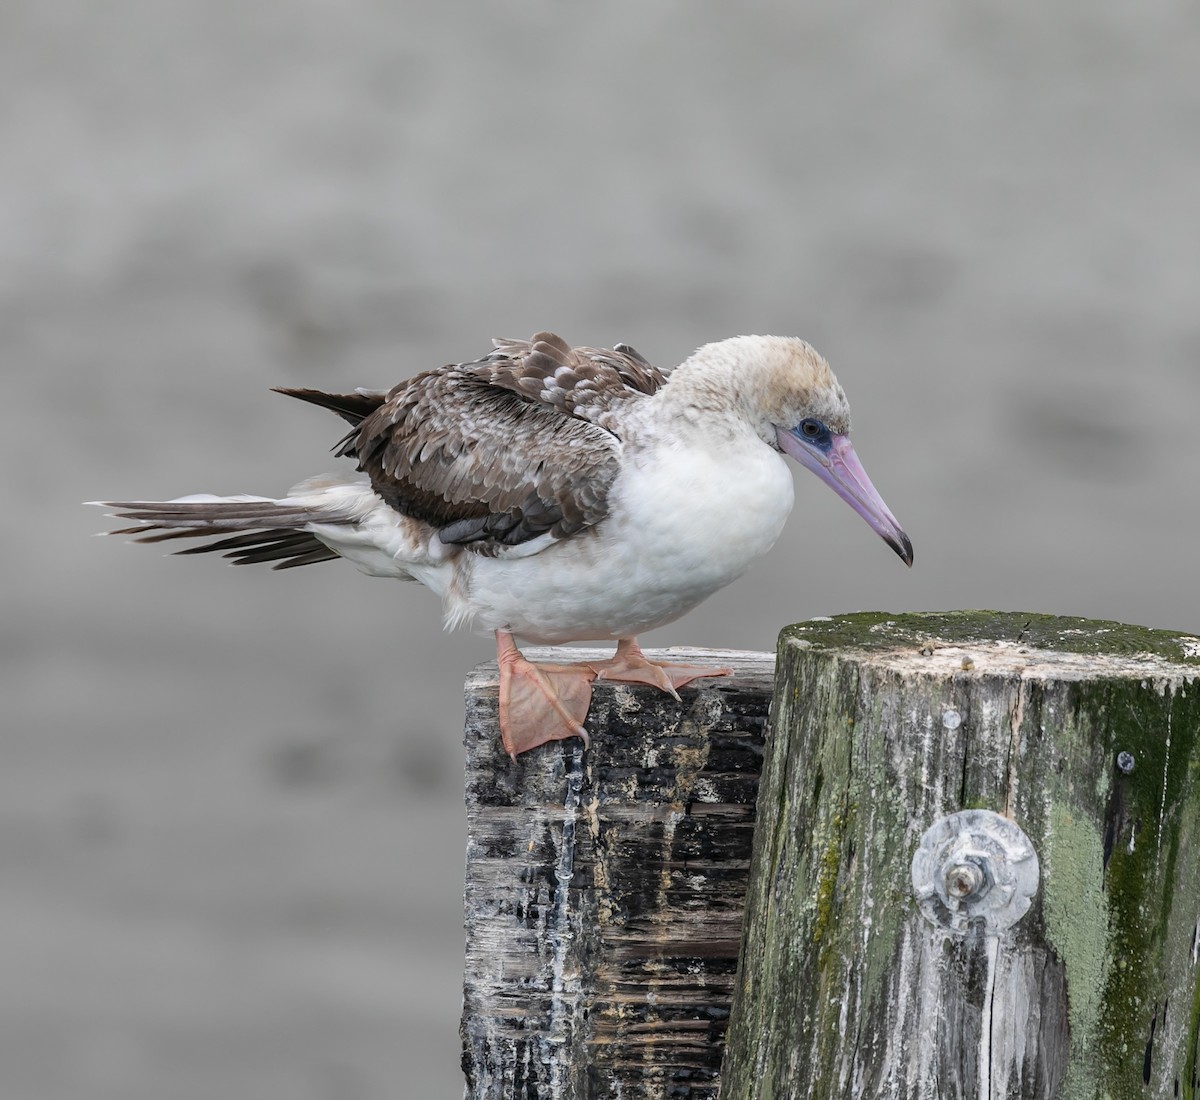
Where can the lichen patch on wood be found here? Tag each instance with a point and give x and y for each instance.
(885, 723)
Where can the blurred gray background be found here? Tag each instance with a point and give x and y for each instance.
(231, 827)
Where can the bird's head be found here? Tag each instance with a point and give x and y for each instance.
(796, 405)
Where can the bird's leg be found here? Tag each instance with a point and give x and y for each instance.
(630, 666)
(539, 703)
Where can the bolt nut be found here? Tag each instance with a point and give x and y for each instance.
(1125, 761)
(972, 866)
(965, 880)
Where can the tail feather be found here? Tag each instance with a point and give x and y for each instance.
(226, 513)
(286, 548)
(271, 531)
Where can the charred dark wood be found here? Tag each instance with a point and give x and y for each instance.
(605, 889)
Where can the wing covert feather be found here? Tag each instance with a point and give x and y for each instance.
(500, 451)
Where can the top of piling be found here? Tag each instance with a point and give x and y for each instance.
(1003, 642)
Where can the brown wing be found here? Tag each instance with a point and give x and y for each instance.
(352, 407)
(518, 444)
(585, 382)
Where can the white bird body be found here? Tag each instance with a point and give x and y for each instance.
(559, 495)
(685, 522)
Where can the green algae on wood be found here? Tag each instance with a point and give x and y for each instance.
(883, 724)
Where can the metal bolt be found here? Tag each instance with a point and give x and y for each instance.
(974, 866)
(965, 880)
(951, 719)
(1125, 761)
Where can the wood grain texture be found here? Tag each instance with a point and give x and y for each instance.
(882, 725)
(604, 888)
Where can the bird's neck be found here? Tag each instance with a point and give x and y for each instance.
(703, 398)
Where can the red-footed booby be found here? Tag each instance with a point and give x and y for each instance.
(558, 494)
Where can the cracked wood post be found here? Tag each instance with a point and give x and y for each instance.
(604, 888)
(1086, 736)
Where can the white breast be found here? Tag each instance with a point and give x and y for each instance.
(686, 520)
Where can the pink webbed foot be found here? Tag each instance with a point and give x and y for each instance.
(539, 703)
(630, 666)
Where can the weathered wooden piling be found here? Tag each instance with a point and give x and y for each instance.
(604, 889)
(1047, 952)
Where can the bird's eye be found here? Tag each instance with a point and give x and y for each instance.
(811, 428)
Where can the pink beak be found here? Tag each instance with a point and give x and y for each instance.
(833, 460)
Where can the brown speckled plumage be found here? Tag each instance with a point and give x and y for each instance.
(501, 450)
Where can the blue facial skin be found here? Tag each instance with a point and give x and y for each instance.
(814, 433)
